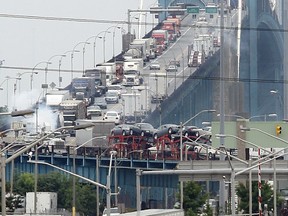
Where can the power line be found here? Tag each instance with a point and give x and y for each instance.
(67, 19)
(193, 77)
(84, 20)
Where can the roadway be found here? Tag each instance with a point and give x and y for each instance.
(176, 51)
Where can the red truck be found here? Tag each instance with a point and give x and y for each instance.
(161, 37)
(170, 26)
(177, 22)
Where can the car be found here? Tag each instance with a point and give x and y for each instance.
(112, 96)
(209, 152)
(94, 110)
(166, 129)
(112, 116)
(143, 129)
(119, 88)
(195, 133)
(101, 102)
(99, 91)
(172, 68)
(121, 129)
(175, 62)
(113, 211)
(154, 66)
(132, 119)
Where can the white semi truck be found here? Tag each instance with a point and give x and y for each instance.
(159, 81)
(132, 72)
(55, 97)
(131, 107)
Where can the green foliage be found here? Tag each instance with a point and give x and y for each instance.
(86, 199)
(59, 183)
(193, 198)
(24, 183)
(266, 193)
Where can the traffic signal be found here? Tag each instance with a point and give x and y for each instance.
(278, 130)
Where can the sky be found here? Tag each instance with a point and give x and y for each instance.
(34, 32)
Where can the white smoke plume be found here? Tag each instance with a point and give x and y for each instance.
(43, 116)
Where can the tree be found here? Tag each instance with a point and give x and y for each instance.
(194, 199)
(59, 183)
(24, 183)
(266, 193)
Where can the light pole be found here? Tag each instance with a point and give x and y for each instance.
(7, 78)
(3, 161)
(74, 171)
(31, 80)
(49, 62)
(42, 62)
(86, 42)
(71, 173)
(104, 49)
(233, 177)
(274, 174)
(277, 94)
(108, 184)
(60, 64)
(32, 145)
(265, 116)
(181, 147)
(94, 51)
(72, 56)
(232, 115)
(138, 25)
(113, 38)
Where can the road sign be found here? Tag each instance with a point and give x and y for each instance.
(211, 9)
(192, 9)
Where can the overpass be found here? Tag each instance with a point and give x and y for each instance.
(262, 66)
(261, 69)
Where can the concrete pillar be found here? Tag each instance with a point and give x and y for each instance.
(253, 62)
(285, 59)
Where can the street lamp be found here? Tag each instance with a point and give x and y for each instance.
(263, 160)
(113, 38)
(10, 145)
(49, 62)
(74, 171)
(42, 62)
(94, 51)
(27, 148)
(31, 80)
(70, 173)
(3, 161)
(232, 115)
(276, 92)
(7, 78)
(72, 55)
(60, 63)
(108, 184)
(265, 116)
(104, 51)
(274, 175)
(181, 147)
(250, 177)
(138, 25)
(86, 42)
